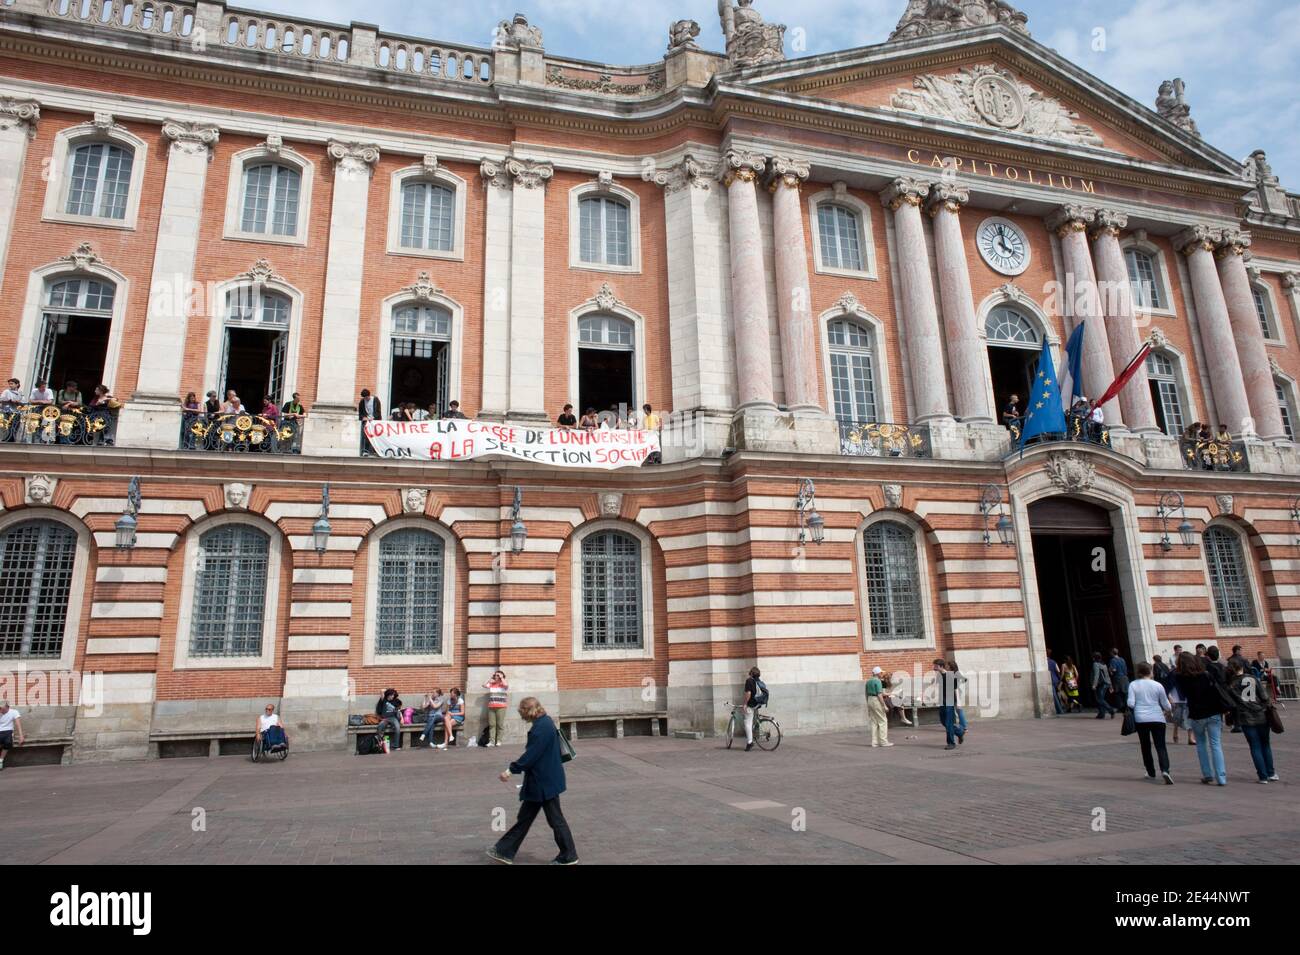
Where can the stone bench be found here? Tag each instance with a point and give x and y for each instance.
(198, 743)
(410, 733)
(41, 751)
(654, 724)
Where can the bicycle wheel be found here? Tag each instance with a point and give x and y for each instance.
(731, 730)
(767, 733)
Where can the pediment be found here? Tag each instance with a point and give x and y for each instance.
(993, 81)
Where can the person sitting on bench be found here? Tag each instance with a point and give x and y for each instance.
(453, 716)
(389, 711)
(270, 731)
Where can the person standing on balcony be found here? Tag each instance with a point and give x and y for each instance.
(70, 396)
(590, 421)
(453, 411)
(269, 410)
(1011, 414)
(566, 418)
(369, 409)
(41, 394)
(190, 411)
(212, 406)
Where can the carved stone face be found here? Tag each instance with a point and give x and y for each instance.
(236, 495)
(415, 498)
(39, 489)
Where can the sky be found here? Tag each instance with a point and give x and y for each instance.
(1238, 57)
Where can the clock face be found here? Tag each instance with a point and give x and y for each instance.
(1003, 246)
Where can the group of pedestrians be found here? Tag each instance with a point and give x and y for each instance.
(887, 698)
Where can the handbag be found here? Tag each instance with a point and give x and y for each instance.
(1130, 724)
(1275, 719)
(567, 753)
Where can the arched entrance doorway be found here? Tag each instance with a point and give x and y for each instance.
(1079, 585)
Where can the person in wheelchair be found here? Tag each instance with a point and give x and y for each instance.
(270, 731)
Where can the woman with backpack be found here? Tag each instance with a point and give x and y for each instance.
(755, 696)
(1253, 699)
(1205, 708)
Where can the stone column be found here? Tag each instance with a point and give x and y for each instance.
(1261, 393)
(496, 291)
(1070, 223)
(18, 118)
(527, 289)
(917, 306)
(152, 418)
(793, 305)
(1121, 320)
(703, 373)
(1291, 285)
(1197, 244)
(968, 359)
(332, 426)
(748, 285)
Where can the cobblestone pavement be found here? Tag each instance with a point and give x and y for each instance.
(1017, 791)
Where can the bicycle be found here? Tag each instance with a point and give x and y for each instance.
(767, 731)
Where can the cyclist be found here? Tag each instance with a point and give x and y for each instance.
(755, 696)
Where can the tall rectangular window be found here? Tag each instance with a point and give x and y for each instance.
(893, 582)
(611, 592)
(838, 233)
(410, 593)
(1229, 581)
(230, 592)
(36, 562)
(100, 181)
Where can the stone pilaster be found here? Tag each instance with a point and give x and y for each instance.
(748, 285)
(904, 197)
(1121, 319)
(967, 347)
(18, 119)
(794, 304)
(1261, 394)
(703, 373)
(152, 418)
(1291, 286)
(496, 290)
(1070, 223)
(332, 426)
(1197, 244)
(527, 288)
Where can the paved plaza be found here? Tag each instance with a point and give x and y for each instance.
(1016, 792)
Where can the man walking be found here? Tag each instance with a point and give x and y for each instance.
(877, 716)
(1119, 679)
(1101, 686)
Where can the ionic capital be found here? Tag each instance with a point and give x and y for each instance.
(192, 139)
(739, 165)
(689, 173)
(1232, 242)
(1108, 222)
(791, 173)
(905, 190)
(1070, 218)
(352, 157)
(19, 113)
(945, 197)
(530, 173)
(1196, 238)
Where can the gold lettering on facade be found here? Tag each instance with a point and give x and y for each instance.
(993, 170)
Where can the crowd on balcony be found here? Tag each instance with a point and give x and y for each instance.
(27, 418)
(231, 425)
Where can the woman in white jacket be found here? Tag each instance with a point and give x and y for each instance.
(1150, 705)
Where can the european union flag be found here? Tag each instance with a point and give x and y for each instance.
(1043, 412)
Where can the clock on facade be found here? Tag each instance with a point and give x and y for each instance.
(1003, 246)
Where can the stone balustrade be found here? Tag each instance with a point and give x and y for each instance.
(397, 54)
(158, 19)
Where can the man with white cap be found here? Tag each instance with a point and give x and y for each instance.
(877, 717)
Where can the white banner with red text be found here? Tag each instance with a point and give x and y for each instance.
(455, 439)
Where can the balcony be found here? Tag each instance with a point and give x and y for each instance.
(240, 433)
(1214, 455)
(884, 440)
(49, 425)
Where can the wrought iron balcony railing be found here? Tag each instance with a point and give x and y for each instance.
(884, 440)
(242, 432)
(44, 425)
(1213, 455)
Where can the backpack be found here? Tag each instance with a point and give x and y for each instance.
(367, 745)
(760, 693)
(485, 736)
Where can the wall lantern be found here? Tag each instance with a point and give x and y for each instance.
(320, 531)
(1295, 519)
(518, 530)
(126, 524)
(1171, 501)
(990, 501)
(810, 522)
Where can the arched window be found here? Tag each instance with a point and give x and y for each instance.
(608, 331)
(604, 225)
(1229, 579)
(100, 180)
(230, 592)
(893, 581)
(839, 230)
(410, 593)
(853, 372)
(428, 216)
(73, 340)
(36, 564)
(420, 357)
(270, 204)
(1264, 311)
(611, 592)
(255, 349)
(1007, 326)
(1166, 394)
(606, 362)
(1143, 275)
(1286, 405)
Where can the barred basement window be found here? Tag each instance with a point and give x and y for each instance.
(36, 561)
(611, 592)
(839, 233)
(893, 582)
(1229, 581)
(100, 181)
(230, 592)
(410, 593)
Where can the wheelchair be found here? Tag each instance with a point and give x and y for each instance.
(268, 751)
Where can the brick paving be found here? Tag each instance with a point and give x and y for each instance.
(1017, 791)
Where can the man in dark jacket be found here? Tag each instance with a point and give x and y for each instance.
(543, 771)
(389, 711)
